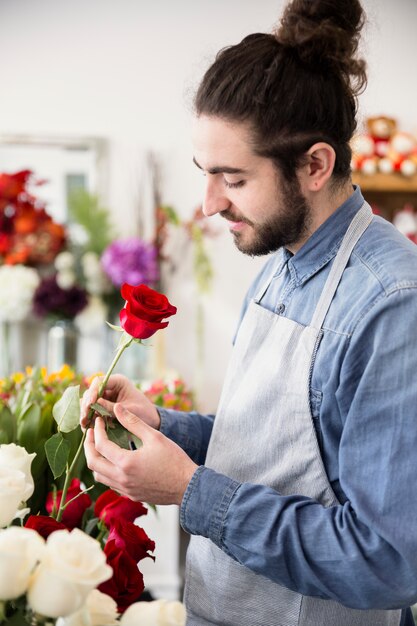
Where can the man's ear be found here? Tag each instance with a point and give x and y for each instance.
(318, 167)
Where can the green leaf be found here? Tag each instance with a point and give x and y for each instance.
(57, 452)
(8, 426)
(28, 427)
(123, 437)
(118, 328)
(66, 411)
(90, 526)
(101, 410)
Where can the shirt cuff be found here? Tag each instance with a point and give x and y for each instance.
(206, 502)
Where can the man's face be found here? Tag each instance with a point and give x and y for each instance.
(264, 211)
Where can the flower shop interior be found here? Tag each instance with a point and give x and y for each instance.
(95, 122)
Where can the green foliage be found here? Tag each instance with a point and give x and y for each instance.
(57, 451)
(85, 209)
(66, 411)
(27, 400)
(8, 431)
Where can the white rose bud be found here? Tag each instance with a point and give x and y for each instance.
(20, 551)
(73, 565)
(16, 457)
(12, 490)
(99, 610)
(156, 613)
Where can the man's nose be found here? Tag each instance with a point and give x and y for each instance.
(215, 199)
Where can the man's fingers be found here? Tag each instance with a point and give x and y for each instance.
(106, 448)
(132, 422)
(95, 461)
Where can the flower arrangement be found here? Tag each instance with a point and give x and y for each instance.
(56, 302)
(28, 235)
(101, 262)
(51, 570)
(26, 404)
(76, 564)
(131, 261)
(171, 394)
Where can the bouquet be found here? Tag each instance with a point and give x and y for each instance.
(76, 563)
(171, 394)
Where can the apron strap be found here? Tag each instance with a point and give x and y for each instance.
(355, 231)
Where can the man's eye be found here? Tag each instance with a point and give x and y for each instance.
(240, 183)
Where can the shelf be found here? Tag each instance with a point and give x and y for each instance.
(388, 193)
(386, 183)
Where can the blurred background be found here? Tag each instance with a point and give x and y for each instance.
(96, 102)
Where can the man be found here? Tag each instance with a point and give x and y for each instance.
(300, 494)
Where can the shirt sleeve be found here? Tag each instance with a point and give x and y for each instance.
(191, 431)
(362, 553)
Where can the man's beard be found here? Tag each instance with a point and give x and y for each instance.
(287, 225)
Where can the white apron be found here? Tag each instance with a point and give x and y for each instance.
(263, 433)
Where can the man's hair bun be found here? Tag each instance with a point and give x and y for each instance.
(324, 34)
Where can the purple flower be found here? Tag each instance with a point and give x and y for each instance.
(50, 299)
(130, 261)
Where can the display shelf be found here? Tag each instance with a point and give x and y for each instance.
(387, 192)
(396, 183)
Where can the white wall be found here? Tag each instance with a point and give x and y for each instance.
(125, 70)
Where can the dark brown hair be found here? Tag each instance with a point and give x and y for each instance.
(296, 86)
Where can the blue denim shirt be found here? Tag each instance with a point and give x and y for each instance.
(363, 396)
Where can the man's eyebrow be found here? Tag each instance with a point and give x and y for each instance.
(221, 169)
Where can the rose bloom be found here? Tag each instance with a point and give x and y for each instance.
(20, 550)
(73, 565)
(132, 539)
(16, 457)
(110, 506)
(73, 513)
(126, 585)
(160, 612)
(13, 486)
(99, 610)
(43, 525)
(144, 311)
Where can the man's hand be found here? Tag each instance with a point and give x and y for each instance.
(158, 472)
(119, 389)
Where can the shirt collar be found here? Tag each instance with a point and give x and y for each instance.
(325, 241)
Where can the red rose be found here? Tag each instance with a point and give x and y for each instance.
(126, 584)
(73, 513)
(144, 311)
(132, 539)
(44, 525)
(110, 507)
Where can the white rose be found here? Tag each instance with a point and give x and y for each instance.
(20, 551)
(156, 613)
(17, 286)
(73, 565)
(99, 610)
(18, 458)
(12, 490)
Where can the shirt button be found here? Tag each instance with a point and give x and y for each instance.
(281, 308)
